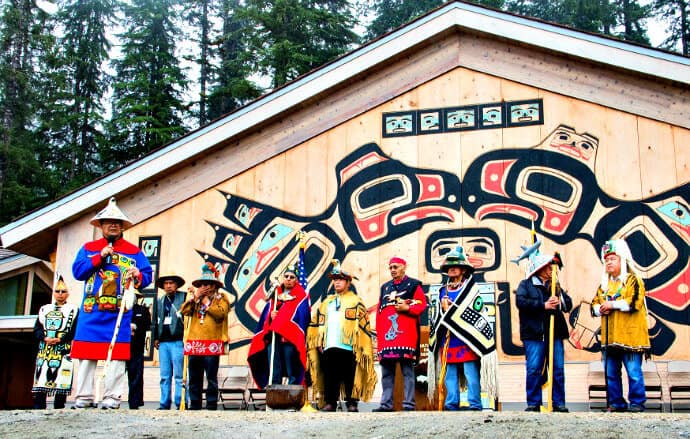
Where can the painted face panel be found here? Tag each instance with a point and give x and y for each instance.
(399, 124)
(524, 113)
(462, 118)
(429, 121)
(492, 116)
(482, 247)
(53, 320)
(582, 147)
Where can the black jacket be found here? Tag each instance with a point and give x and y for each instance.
(534, 319)
(141, 317)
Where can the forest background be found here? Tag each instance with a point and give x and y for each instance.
(88, 86)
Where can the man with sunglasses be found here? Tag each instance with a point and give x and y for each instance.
(283, 320)
(106, 265)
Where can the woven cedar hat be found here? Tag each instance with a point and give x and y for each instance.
(209, 274)
(111, 211)
(457, 258)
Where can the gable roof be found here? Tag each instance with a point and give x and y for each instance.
(647, 62)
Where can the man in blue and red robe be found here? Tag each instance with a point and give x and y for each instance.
(105, 265)
(401, 303)
(285, 322)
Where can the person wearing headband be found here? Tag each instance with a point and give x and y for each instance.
(401, 303)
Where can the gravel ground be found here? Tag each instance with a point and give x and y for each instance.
(96, 423)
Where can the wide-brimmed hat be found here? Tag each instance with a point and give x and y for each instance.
(112, 212)
(457, 258)
(338, 273)
(173, 277)
(537, 261)
(209, 274)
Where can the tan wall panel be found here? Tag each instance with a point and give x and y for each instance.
(302, 181)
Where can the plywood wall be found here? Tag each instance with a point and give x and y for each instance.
(636, 184)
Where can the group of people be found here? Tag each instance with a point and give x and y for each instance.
(334, 348)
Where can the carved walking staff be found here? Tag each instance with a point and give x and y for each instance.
(129, 292)
(185, 358)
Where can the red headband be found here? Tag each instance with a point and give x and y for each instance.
(397, 260)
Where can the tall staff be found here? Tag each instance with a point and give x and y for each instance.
(442, 373)
(272, 294)
(185, 358)
(128, 294)
(549, 381)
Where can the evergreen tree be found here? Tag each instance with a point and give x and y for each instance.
(147, 108)
(231, 86)
(74, 86)
(677, 14)
(199, 14)
(391, 14)
(630, 16)
(25, 178)
(287, 38)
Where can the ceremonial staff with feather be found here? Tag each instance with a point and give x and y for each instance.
(541, 303)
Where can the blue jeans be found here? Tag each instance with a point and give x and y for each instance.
(170, 355)
(471, 372)
(535, 352)
(613, 359)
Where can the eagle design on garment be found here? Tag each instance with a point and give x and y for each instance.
(107, 297)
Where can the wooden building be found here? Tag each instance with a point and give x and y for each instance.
(463, 127)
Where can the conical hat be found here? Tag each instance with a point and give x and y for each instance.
(111, 211)
(538, 261)
(457, 258)
(60, 284)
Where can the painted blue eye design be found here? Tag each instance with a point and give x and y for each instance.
(273, 235)
(676, 212)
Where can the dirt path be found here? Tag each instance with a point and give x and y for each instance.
(96, 423)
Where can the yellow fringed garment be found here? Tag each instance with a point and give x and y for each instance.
(627, 330)
(356, 332)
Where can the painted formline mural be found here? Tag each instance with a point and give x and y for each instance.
(381, 199)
